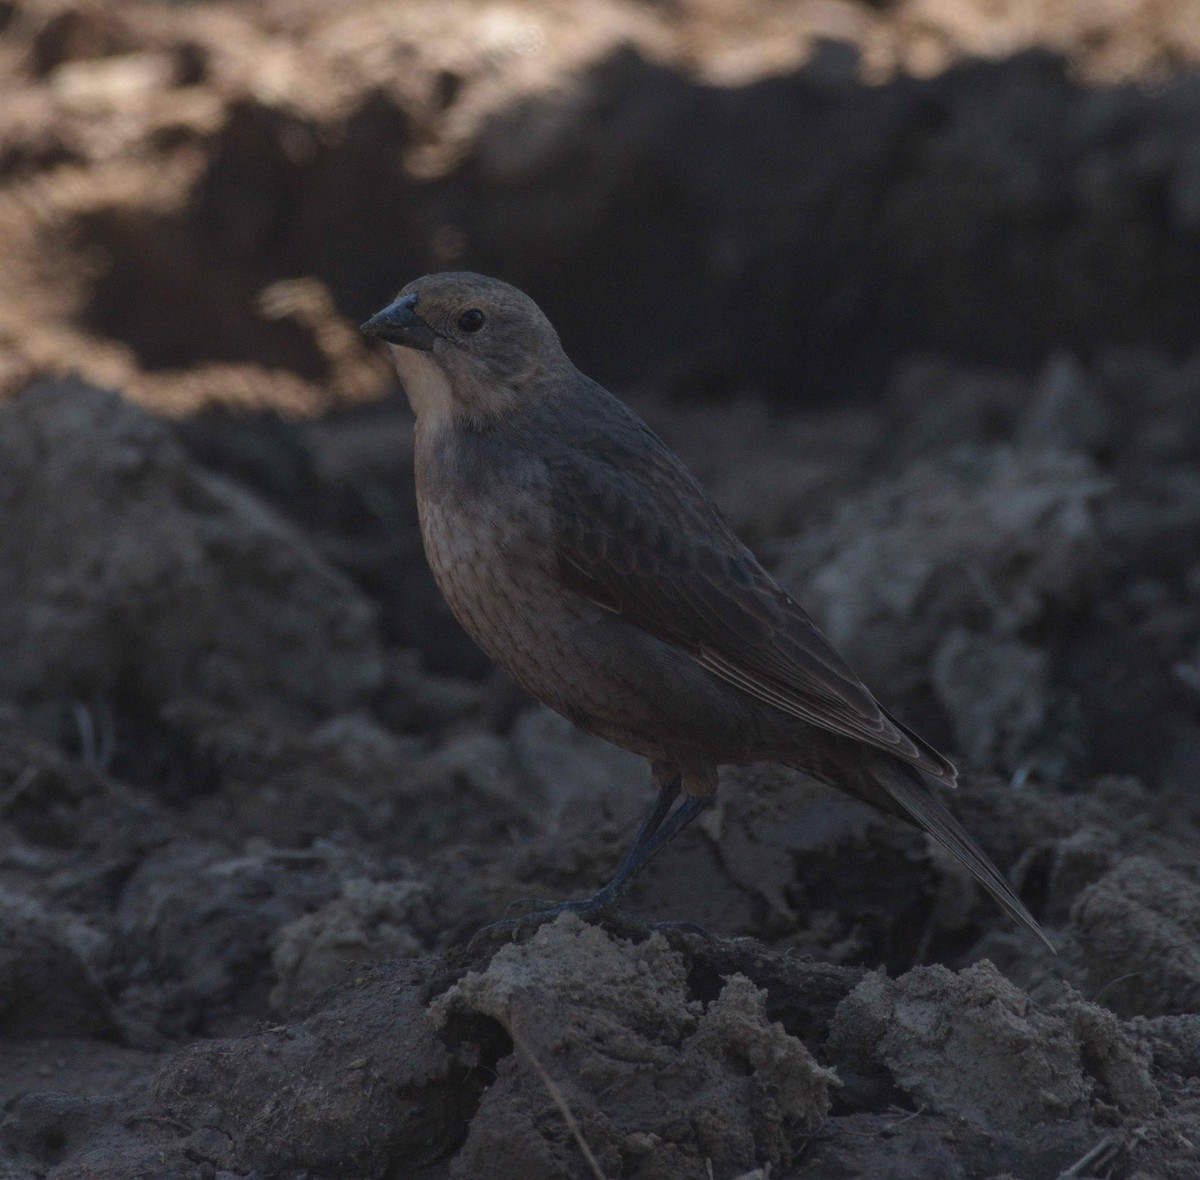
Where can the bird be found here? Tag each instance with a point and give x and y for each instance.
(581, 555)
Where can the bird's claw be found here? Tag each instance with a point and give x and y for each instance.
(528, 905)
(603, 906)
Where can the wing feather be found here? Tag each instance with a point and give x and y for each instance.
(638, 536)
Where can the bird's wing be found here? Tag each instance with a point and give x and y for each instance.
(637, 535)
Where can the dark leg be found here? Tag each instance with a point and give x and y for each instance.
(643, 850)
(667, 794)
(657, 830)
(651, 822)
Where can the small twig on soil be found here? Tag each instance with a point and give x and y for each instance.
(909, 1115)
(1114, 982)
(889, 1127)
(558, 1098)
(1101, 1153)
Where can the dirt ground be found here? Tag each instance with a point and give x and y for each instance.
(912, 288)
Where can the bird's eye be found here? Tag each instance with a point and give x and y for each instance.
(471, 320)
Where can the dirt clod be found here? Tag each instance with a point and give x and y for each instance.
(1139, 927)
(131, 572)
(614, 1021)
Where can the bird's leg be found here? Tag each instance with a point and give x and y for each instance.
(657, 830)
(643, 850)
(668, 792)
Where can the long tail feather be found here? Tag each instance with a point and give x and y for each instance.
(920, 803)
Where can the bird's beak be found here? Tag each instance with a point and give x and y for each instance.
(399, 323)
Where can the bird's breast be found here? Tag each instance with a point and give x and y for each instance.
(479, 546)
(490, 545)
(490, 537)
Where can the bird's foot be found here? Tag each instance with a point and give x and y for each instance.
(603, 906)
(530, 905)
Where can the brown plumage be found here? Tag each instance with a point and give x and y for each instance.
(580, 554)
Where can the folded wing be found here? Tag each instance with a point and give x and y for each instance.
(639, 537)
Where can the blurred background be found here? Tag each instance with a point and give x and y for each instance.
(921, 214)
(707, 196)
(912, 285)
(921, 224)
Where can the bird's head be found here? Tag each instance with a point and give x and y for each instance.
(467, 347)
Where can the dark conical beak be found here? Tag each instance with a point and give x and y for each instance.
(399, 323)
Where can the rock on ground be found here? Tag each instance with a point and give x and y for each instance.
(657, 1085)
(130, 572)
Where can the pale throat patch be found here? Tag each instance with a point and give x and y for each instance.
(425, 382)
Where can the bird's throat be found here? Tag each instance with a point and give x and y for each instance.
(426, 385)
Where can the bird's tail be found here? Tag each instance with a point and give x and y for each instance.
(898, 788)
(927, 811)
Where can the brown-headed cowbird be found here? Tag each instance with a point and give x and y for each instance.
(581, 555)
